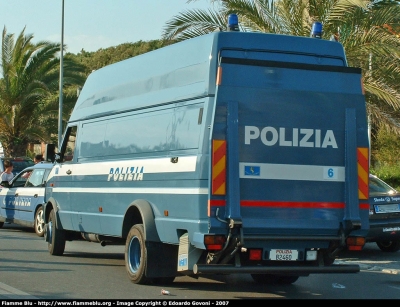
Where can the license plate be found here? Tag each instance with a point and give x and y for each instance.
(283, 254)
(387, 208)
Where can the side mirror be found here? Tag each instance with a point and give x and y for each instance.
(50, 151)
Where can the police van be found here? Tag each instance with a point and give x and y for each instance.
(231, 152)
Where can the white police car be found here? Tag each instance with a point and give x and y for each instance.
(21, 200)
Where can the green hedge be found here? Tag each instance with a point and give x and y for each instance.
(389, 174)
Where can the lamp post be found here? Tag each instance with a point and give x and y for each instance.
(60, 101)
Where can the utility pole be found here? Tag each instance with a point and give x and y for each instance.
(60, 101)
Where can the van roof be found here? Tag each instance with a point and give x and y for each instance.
(149, 78)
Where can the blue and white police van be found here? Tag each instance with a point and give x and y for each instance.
(231, 152)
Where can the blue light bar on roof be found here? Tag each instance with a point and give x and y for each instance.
(233, 22)
(316, 30)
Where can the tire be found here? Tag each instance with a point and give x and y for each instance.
(136, 256)
(274, 279)
(56, 244)
(389, 246)
(39, 222)
(1, 224)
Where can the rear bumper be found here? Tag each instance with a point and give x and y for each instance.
(381, 230)
(287, 270)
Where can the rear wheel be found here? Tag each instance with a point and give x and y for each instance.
(56, 243)
(136, 255)
(1, 224)
(389, 246)
(274, 279)
(39, 222)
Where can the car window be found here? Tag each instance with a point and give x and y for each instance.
(20, 180)
(377, 187)
(46, 174)
(36, 178)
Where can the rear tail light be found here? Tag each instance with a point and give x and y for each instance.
(214, 243)
(255, 254)
(355, 243)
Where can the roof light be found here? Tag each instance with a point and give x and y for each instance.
(233, 22)
(316, 30)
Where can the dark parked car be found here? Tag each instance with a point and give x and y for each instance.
(18, 164)
(22, 199)
(384, 215)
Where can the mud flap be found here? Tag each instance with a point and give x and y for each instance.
(161, 259)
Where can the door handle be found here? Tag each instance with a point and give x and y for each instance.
(69, 172)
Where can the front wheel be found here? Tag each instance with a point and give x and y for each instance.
(39, 222)
(136, 255)
(389, 246)
(56, 237)
(274, 279)
(1, 224)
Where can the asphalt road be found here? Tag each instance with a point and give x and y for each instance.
(26, 270)
(371, 258)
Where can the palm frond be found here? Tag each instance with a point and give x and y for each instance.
(193, 23)
(30, 76)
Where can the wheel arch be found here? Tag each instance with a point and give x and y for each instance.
(141, 212)
(161, 257)
(47, 207)
(37, 208)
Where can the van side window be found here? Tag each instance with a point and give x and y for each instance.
(168, 129)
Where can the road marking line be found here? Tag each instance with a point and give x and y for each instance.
(12, 293)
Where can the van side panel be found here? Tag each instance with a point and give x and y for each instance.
(115, 160)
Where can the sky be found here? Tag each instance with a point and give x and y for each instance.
(92, 24)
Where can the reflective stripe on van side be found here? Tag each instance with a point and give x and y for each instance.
(148, 166)
(182, 191)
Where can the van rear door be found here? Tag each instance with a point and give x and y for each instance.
(298, 125)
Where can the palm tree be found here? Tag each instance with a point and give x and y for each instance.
(364, 27)
(29, 83)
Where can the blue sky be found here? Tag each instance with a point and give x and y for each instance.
(92, 24)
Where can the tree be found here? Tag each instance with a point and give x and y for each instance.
(29, 84)
(367, 30)
(102, 57)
